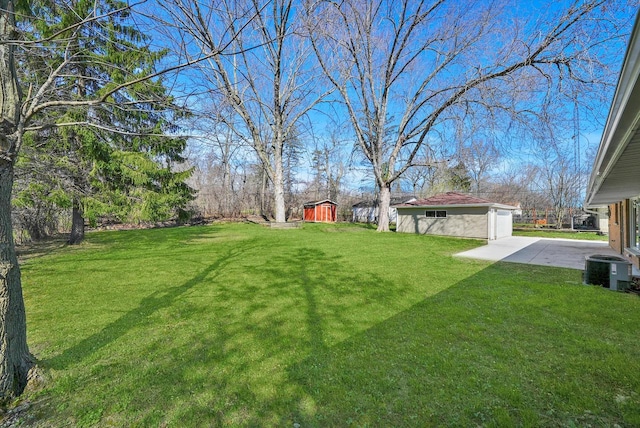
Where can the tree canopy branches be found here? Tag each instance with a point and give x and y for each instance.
(414, 66)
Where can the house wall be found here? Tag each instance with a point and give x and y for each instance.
(370, 215)
(619, 230)
(393, 215)
(602, 219)
(466, 222)
(616, 230)
(365, 215)
(603, 224)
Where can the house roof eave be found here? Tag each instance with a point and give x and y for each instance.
(620, 131)
(487, 205)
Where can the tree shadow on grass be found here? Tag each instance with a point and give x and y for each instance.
(291, 333)
(41, 248)
(226, 363)
(235, 374)
(498, 348)
(330, 298)
(148, 306)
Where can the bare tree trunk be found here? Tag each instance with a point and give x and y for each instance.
(278, 188)
(16, 362)
(263, 194)
(77, 223)
(9, 89)
(226, 191)
(384, 201)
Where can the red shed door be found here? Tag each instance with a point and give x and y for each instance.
(326, 213)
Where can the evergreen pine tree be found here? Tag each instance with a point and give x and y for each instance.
(117, 160)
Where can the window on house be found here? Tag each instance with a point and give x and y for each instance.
(436, 214)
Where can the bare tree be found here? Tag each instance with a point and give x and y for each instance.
(558, 179)
(429, 173)
(329, 160)
(479, 156)
(221, 158)
(410, 66)
(266, 74)
(513, 187)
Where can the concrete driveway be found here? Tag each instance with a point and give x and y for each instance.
(567, 253)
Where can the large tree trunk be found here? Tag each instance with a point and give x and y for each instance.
(16, 362)
(384, 200)
(226, 191)
(278, 188)
(9, 88)
(77, 223)
(263, 194)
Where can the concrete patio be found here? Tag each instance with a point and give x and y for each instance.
(567, 253)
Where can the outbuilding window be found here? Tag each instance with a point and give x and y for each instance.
(436, 214)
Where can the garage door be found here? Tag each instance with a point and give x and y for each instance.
(504, 224)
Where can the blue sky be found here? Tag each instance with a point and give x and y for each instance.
(518, 147)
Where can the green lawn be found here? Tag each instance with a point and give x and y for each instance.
(550, 233)
(240, 325)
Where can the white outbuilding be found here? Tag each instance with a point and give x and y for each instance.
(368, 211)
(456, 214)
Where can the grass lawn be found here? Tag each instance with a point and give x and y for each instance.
(550, 233)
(240, 325)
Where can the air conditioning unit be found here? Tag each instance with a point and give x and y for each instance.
(612, 272)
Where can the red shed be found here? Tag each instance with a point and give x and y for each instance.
(320, 211)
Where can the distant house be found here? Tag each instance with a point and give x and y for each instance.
(368, 211)
(456, 214)
(614, 185)
(518, 208)
(601, 219)
(324, 211)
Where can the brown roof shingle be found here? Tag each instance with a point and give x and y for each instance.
(449, 198)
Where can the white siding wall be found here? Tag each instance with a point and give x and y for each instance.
(365, 215)
(602, 219)
(370, 214)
